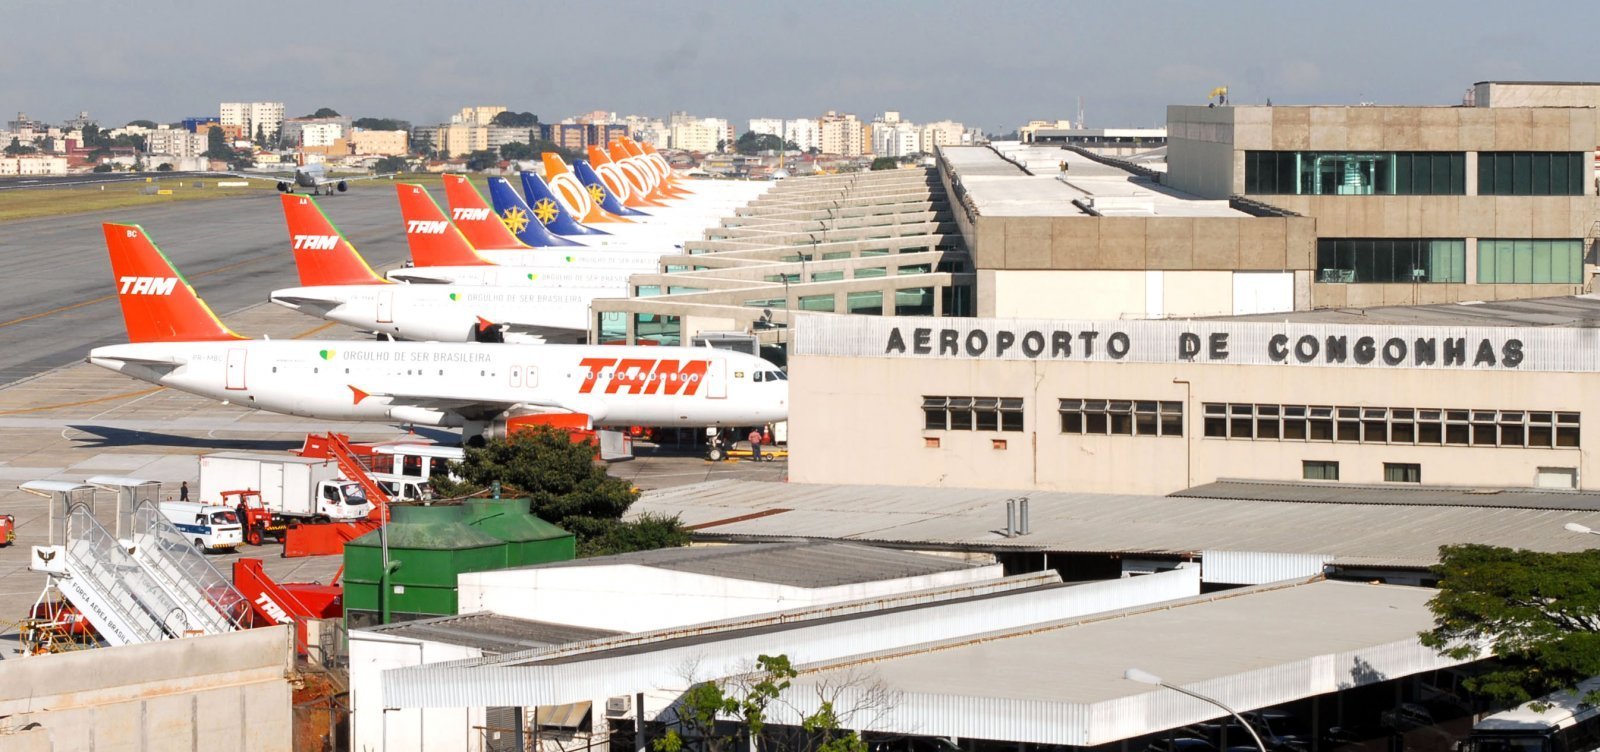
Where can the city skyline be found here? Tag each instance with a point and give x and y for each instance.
(1025, 61)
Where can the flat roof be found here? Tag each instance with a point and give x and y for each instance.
(1211, 637)
(1365, 535)
(492, 633)
(1429, 496)
(1089, 187)
(797, 563)
(1569, 311)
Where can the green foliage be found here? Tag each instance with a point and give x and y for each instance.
(137, 142)
(164, 167)
(517, 150)
(324, 112)
(885, 163)
(217, 144)
(1539, 612)
(647, 533)
(106, 167)
(742, 705)
(391, 165)
(91, 136)
(482, 159)
(142, 123)
(567, 486)
(381, 124)
(17, 147)
(515, 119)
(752, 143)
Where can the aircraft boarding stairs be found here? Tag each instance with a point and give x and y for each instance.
(151, 585)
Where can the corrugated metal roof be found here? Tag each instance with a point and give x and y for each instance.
(1362, 535)
(802, 563)
(1574, 311)
(492, 633)
(1351, 493)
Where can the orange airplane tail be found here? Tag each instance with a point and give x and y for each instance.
(322, 255)
(433, 240)
(158, 304)
(584, 205)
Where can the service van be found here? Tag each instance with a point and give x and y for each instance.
(403, 487)
(211, 527)
(421, 461)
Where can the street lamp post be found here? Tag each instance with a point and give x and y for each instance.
(1145, 677)
(1573, 527)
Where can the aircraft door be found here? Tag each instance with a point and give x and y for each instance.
(717, 379)
(386, 306)
(236, 358)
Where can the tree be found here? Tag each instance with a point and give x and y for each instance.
(1539, 613)
(722, 144)
(164, 167)
(391, 165)
(885, 163)
(142, 123)
(382, 124)
(752, 143)
(566, 485)
(103, 167)
(137, 142)
(17, 147)
(717, 716)
(515, 119)
(516, 150)
(482, 159)
(217, 144)
(324, 112)
(261, 136)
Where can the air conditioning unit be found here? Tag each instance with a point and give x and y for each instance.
(618, 705)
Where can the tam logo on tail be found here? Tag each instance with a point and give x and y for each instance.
(460, 214)
(316, 242)
(427, 227)
(148, 285)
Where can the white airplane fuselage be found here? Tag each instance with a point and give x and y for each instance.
(449, 313)
(446, 384)
(588, 268)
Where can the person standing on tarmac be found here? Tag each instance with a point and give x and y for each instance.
(755, 444)
(183, 491)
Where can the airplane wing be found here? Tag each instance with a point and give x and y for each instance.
(470, 405)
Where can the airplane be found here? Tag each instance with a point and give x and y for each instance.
(443, 252)
(485, 229)
(176, 341)
(337, 284)
(315, 177)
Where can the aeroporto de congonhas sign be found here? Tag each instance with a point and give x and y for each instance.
(1217, 342)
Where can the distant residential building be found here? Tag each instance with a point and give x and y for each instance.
(1028, 132)
(320, 134)
(602, 134)
(891, 117)
(804, 133)
(33, 164)
(460, 139)
(767, 126)
(646, 129)
(896, 140)
(175, 142)
(253, 117)
(573, 136)
(943, 133)
(500, 135)
(843, 135)
(480, 115)
(379, 143)
(200, 124)
(23, 123)
(701, 135)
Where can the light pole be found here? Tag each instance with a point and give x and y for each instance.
(1573, 527)
(1145, 677)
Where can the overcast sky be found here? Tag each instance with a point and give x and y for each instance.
(990, 64)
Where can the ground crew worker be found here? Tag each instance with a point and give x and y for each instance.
(755, 444)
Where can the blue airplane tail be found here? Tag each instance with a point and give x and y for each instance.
(608, 200)
(550, 210)
(520, 218)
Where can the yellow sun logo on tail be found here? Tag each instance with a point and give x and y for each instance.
(597, 193)
(545, 210)
(515, 220)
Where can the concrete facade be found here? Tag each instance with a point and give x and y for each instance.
(1209, 147)
(223, 692)
(855, 367)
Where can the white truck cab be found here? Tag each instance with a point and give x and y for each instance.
(211, 527)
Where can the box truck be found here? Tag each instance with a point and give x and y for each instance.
(303, 488)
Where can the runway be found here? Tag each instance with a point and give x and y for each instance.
(59, 302)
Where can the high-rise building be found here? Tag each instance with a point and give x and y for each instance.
(943, 133)
(767, 126)
(479, 115)
(804, 133)
(251, 118)
(702, 135)
(379, 143)
(843, 135)
(896, 139)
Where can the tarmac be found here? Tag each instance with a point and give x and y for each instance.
(63, 419)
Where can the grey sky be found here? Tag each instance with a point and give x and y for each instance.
(992, 64)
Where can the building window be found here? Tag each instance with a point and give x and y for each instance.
(914, 301)
(1314, 173)
(1319, 470)
(1121, 417)
(867, 303)
(1373, 425)
(1402, 472)
(1524, 262)
(972, 414)
(1407, 260)
(1531, 173)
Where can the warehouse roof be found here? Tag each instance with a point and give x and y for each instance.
(1399, 535)
(1354, 493)
(1573, 311)
(492, 633)
(806, 564)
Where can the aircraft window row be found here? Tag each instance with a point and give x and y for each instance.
(972, 413)
(1393, 425)
(770, 376)
(1102, 417)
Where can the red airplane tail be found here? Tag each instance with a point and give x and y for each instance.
(158, 304)
(434, 241)
(322, 255)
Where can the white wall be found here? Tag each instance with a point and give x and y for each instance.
(402, 730)
(631, 598)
